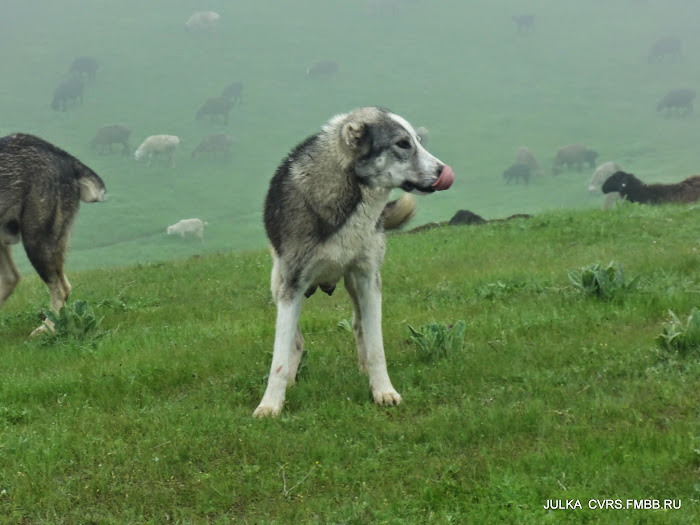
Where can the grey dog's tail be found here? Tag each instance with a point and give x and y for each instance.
(398, 212)
(92, 187)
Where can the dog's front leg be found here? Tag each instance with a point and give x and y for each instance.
(368, 289)
(288, 311)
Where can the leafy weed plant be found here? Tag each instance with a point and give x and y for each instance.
(437, 341)
(75, 321)
(680, 337)
(603, 283)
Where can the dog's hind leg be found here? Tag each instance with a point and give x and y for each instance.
(357, 325)
(48, 258)
(9, 276)
(368, 302)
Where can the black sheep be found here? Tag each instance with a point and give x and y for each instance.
(69, 92)
(517, 171)
(634, 190)
(215, 107)
(677, 99)
(666, 47)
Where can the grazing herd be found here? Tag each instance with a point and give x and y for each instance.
(608, 178)
(162, 148)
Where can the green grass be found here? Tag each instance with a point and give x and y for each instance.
(553, 395)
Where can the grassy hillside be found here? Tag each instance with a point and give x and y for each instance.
(553, 396)
(459, 68)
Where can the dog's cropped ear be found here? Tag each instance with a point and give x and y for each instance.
(353, 134)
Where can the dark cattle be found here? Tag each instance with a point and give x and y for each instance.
(68, 93)
(322, 68)
(634, 190)
(669, 47)
(233, 92)
(215, 107)
(108, 135)
(219, 144)
(84, 67)
(524, 22)
(573, 156)
(677, 101)
(517, 172)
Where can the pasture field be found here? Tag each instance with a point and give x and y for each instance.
(459, 68)
(554, 395)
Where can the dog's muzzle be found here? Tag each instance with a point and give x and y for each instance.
(443, 182)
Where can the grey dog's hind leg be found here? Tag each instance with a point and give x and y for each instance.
(357, 324)
(9, 276)
(48, 256)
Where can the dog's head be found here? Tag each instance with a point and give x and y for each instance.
(385, 151)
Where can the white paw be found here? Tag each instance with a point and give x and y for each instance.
(42, 329)
(267, 411)
(387, 398)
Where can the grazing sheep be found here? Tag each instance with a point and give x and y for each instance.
(677, 99)
(525, 156)
(524, 22)
(214, 107)
(665, 47)
(188, 226)
(233, 92)
(600, 175)
(68, 92)
(203, 21)
(516, 172)
(573, 156)
(634, 190)
(108, 135)
(215, 144)
(322, 68)
(158, 145)
(84, 67)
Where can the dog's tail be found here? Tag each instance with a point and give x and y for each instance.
(398, 212)
(92, 187)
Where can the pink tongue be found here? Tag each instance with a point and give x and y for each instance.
(445, 180)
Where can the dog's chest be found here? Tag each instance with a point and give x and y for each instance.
(358, 244)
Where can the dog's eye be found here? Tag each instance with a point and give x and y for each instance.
(404, 144)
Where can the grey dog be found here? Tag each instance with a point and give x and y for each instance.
(41, 187)
(325, 214)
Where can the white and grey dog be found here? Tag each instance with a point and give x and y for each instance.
(325, 214)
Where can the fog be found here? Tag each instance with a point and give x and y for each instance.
(581, 73)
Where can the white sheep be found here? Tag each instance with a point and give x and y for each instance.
(600, 175)
(158, 145)
(203, 21)
(188, 226)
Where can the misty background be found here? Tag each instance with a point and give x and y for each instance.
(459, 68)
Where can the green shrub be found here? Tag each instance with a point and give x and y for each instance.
(74, 321)
(437, 341)
(680, 337)
(603, 283)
